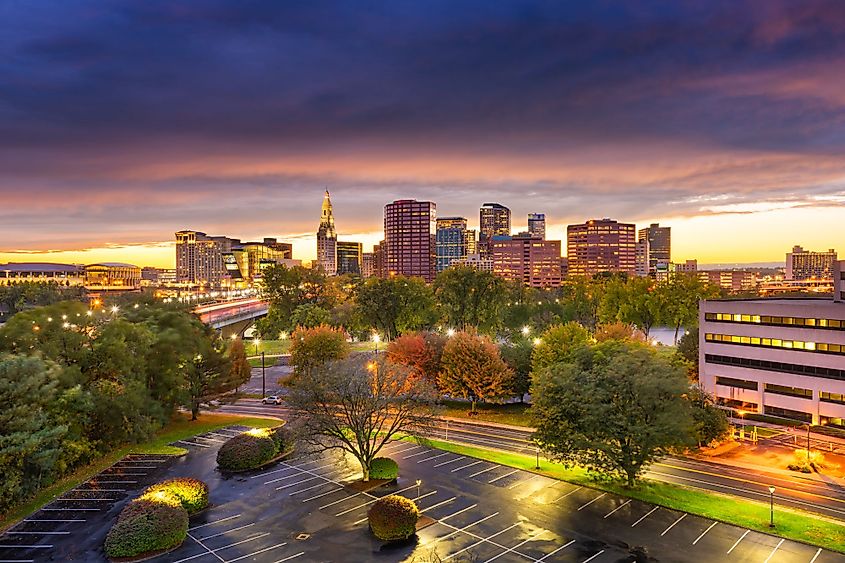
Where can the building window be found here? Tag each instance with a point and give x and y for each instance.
(767, 320)
(832, 397)
(822, 347)
(788, 413)
(740, 383)
(782, 367)
(788, 391)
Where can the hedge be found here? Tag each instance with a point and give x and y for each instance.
(393, 518)
(384, 468)
(252, 448)
(156, 522)
(192, 493)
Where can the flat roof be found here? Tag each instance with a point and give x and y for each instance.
(39, 267)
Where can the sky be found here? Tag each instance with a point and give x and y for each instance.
(123, 122)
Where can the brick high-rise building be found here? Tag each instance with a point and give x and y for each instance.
(530, 260)
(808, 265)
(494, 219)
(537, 225)
(199, 258)
(409, 238)
(601, 245)
(658, 248)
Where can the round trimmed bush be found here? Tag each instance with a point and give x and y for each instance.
(247, 451)
(281, 438)
(393, 518)
(192, 493)
(384, 468)
(152, 523)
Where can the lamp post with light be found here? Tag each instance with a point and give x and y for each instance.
(771, 506)
(376, 339)
(741, 414)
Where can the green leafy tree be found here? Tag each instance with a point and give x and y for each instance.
(209, 375)
(396, 305)
(642, 305)
(309, 315)
(614, 411)
(313, 347)
(559, 344)
(287, 289)
(472, 369)
(618, 331)
(470, 298)
(679, 298)
(241, 371)
(710, 423)
(517, 355)
(359, 406)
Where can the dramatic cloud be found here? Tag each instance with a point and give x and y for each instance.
(121, 122)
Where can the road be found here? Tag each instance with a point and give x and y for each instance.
(795, 491)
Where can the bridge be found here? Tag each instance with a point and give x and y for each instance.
(233, 317)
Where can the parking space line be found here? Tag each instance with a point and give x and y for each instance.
(742, 537)
(704, 532)
(518, 483)
(583, 506)
(289, 485)
(816, 556)
(322, 495)
(438, 504)
(257, 552)
(561, 548)
(28, 533)
(433, 457)
(214, 551)
(290, 557)
(618, 507)
(192, 443)
(373, 500)
(482, 540)
(215, 522)
(311, 488)
(425, 495)
(644, 516)
(339, 501)
(532, 538)
(416, 454)
(38, 546)
(470, 465)
(450, 461)
(593, 557)
(226, 531)
(503, 476)
(464, 529)
(567, 494)
(672, 525)
(404, 447)
(65, 499)
(71, 509)
(40, 520)
(470, 507)
(769, 558)
(483, 471)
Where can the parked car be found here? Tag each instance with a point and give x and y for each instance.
(271, 400)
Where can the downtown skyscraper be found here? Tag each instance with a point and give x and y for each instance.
(409, 238)
(327, 239)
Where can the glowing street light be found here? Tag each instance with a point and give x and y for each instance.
(450, 332)
(234, 337)
(525, 330)
(537, 341)
(256, 341)
(115, 308)
(376, 339)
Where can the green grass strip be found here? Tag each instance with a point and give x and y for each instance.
(180, 428)
(789, 523)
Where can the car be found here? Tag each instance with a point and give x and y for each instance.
(271, 400)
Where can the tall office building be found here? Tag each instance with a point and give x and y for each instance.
(601, 245)
(494, 220)
(199, 258)
(808, 265)
(350, 258)
(409, 238)
(642, 257)
(529, 260)
(450, 241)
(368, 264)
(659, 247)
(245, 261)
(327, 239)
(537, 225)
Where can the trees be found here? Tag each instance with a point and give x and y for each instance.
(421, 352)
(613, 412)
(472, 369)
(287, 289)
(709, 421)
(618, 331)
(309, 315)
(313, 347)
(559, 344)
(359, 406)
(679, 299)
(240, 370)
(396, 305)
(470, 298)
(517, 355)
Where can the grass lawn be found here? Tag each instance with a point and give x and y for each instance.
(181, 427)
(508, 413)
(791, 524)
(270, 347)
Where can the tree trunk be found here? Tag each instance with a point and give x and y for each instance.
(195, 409)
(366, 473)
(631, 478)
(472, 408)
(677, 328)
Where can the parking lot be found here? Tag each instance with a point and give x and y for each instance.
(481, 511)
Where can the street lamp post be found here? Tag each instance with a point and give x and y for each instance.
(771, 507)
(256, 341)
(419, 482)
(741, 414)
(538, 457)
(263, 381)
(376, 339)
(808, 443)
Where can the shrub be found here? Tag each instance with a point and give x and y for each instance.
(248, 450)
(393, 518)
(384, 468)
(282, 439)
(151, 523)
(192, 493)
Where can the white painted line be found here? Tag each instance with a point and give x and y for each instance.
(215, 522)
(290, 557)
(323, 494)
(98, 479)
(433, 457)
(816, 556)
(464, 529)
(311, 488)
(14, 533)
(86, 499)
(372, 501)
(277, 479)
(672, 525)
(593, 557)
(339, 501)
(71, 509)
(450, 461)
(416, 454)
(42, 546)
(270, 472)
(742, 537)
(39, 520)
(646, 515)
(425, 495)
(409, 448)
(567, 494)
(769, 558)
(561, 548)
(532, 538)
(470, 507)
(482, 540)
(591, 502)
(17, 560)
(257, 552)
(438, 504)
(518, 483)
(192, 443)
(214, 551)
(483, 471)
(289, 485)
(704, 532)
(503, 476)
(226, 532)
(469, 465)
(617, 508)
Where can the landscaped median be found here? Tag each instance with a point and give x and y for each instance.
(180, 428)
(790, 523)
(254, 449)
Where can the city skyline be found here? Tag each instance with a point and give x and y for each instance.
(122, 124)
